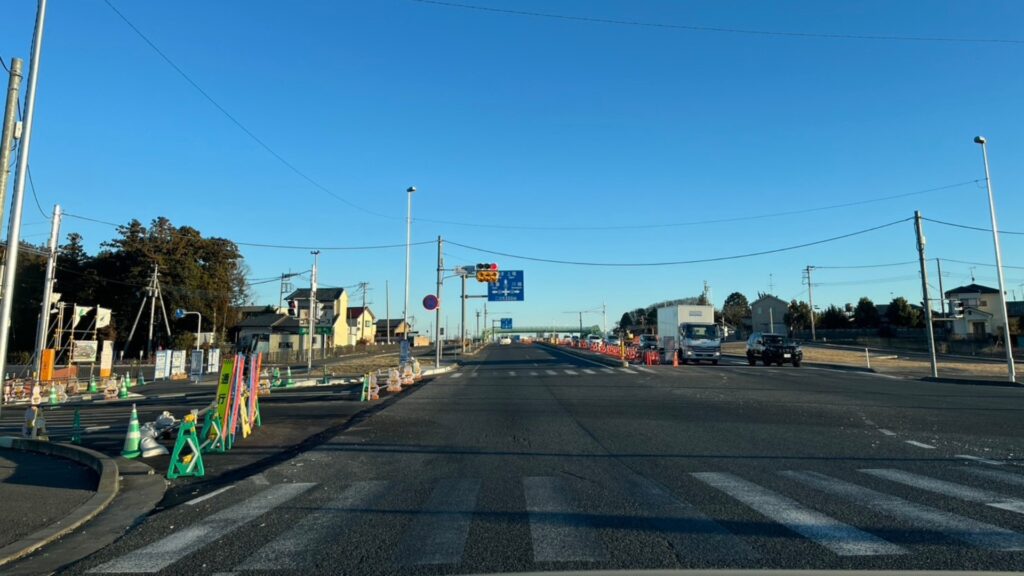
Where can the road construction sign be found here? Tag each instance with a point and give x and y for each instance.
(224, 389)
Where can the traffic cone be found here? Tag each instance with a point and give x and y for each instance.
(127, 380)
(142, 379)
(92, 385)
(53, 394)
(132, 439)
(123, 392)
(275, 380)
(289, 382)
(76, 428)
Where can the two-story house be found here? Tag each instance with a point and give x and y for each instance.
(362, 325)
(768, 314)
(981, 318)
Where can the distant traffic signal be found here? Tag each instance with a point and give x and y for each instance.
(957, 307)
(487, 272)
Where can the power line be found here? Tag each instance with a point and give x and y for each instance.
(862, 266)
(679, 262)
(264, 245)
(702, 222)
(718, 29)
(980, 264)
(238, 123)
(32, 186)
(966, 227)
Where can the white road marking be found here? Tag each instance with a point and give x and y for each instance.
(965, 529)
(162, 553)
(887, 432)
(997, 475)
(607, 370)
(195, 501)
(291, 550)
(626, 370)
(551, 373)
(96, 428)
(571, 372)
(511, 372)
(843, 539)
(951, 489)
(534, 373)
(457, 375)
(473, 374)
(920, 444)
(559, 534)
(589, 371)
(980, 459)
(438, 535)
(261, 480)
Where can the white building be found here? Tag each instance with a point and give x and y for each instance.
(981, 317)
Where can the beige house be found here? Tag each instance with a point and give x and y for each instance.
(981, 316)
(331, 328)
(362, 325)
(768, 313)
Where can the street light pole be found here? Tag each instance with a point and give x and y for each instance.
(408, 243)
(312, 311)
(1011, 372)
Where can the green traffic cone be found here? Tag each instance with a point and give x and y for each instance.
(92, 385)
(76, 428)
(132, 439)
(276, 380)
(142, 379)
(289, 382)
(123, 392)
(127, 380)
(53, 394)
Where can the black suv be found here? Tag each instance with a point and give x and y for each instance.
(773, 349)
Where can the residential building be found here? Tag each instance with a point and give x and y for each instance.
(981, 318)
(768, 313)
(362, 326)
(395, 328)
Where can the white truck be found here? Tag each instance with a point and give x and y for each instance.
(689, 331)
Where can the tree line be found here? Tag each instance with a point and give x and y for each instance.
(197, 273)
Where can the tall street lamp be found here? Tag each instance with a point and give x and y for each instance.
(1012, 373)
(408, 241)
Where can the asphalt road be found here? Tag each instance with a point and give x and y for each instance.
(531, 459)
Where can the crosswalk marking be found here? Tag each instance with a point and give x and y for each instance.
(997, 475)
(457, 375)
(164, 552)
(607, 370)
(688, 530)
(920, 444)
(645, 369)
(473, 374)
(320, 526)
(511, 372)
(626, 370)
(973, 532)
(589, 371)
(551, 373)
(841, 538)
(534, 373)
(571, 372)
(558, 534)
(439, 532)
(952, 489)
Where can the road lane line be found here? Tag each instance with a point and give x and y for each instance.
(559, 533)
(973, 532)
(162, 553)
(589, 371)
(980, 459)
(195, 501)
(920, 444)
(887, 432)
(292, 550)
(438, 535)
(997, 475)
(571, 372)
(457, 375)
(691, 533)
(951, 489)
(841, 538)
(551, 373)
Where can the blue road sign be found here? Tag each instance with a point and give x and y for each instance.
(506, 323)
(508, 288)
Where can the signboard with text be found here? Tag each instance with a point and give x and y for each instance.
(196, 364)
(162, 368)
(508, 288)
(177, 363)
(83, 351)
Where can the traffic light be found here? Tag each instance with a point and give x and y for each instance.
(293, 308)
(958, 308)
(487, 272)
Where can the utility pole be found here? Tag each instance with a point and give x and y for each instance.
(810, 299)
(581, 327)
(478, 325)
(924, 290)
(437, 311)
(463, 330)
(44, 313)
(10, 120)
(286, 288)
(312, 311)
(408, 243)
(387, 310)
(18, 200)
(485, 320)
(604, 319)
(942, 293)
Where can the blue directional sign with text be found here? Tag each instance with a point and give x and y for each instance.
(508, 288)
(506, 323)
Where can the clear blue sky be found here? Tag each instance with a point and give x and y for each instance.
(528, 121)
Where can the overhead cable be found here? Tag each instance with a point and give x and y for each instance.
(966, 227)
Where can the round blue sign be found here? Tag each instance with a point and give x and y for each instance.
(179, 313)
(430, 302)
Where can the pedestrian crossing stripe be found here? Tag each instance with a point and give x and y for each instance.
(457, 375)
(561, 530)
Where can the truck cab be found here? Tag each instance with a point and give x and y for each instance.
(699, 342)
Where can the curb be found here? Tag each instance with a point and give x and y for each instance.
(106, 488)
(970, 382)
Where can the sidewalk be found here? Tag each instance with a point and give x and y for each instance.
(38, 490)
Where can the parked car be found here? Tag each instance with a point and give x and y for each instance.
(613, 340)
(773, 349)
(504, 340)
(594, 338)
(648, 342)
